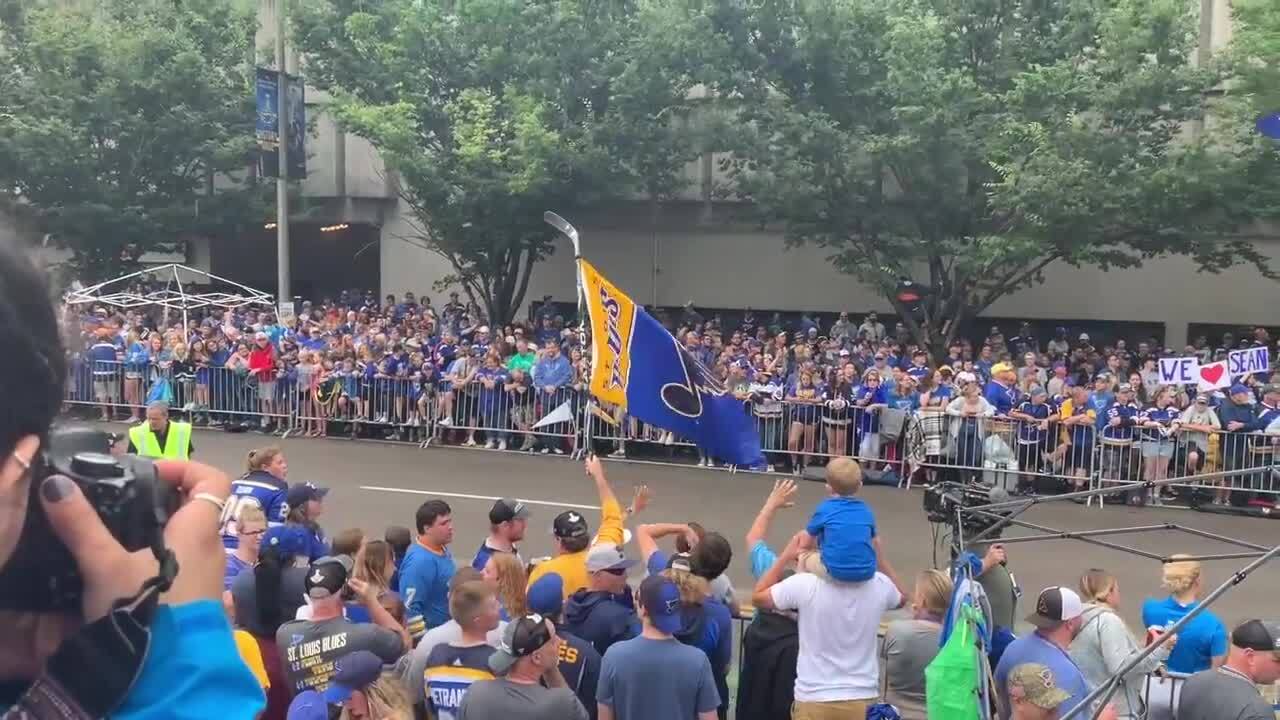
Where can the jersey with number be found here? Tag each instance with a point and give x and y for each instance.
(258, 489)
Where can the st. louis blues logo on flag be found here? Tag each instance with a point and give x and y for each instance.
(638, 365)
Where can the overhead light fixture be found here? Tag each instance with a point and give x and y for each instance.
(269, 226)
(334, 228)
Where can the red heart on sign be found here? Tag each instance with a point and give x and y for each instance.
(1212, 373)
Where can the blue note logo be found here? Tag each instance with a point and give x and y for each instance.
(685, 398)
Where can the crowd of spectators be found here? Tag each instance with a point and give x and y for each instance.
(396, 626)
(1058, 411)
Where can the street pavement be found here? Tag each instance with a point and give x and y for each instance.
(375, 484)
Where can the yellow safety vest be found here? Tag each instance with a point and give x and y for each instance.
(176, 442)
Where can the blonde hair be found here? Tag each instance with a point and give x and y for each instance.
(693, 589)
(251, 513)
(388, 700)
(1096, 585)
(466, 602)
(844, 476)
(933, 591)
(512, 582)
(260, 458)
(1180, 575)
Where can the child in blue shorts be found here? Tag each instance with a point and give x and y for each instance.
(843, 528)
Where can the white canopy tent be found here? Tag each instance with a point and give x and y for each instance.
(176, 295)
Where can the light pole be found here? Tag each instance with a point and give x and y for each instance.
(282, 180)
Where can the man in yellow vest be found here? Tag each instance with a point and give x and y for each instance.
(160, 437)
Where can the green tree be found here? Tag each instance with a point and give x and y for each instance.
(492, 112)
(116, 115)
(971, 147)
(483, 109)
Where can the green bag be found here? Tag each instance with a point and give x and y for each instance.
(952, 680)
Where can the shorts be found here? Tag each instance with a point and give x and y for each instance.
(810, 561)
(106, 390)
(833, 710)
(1157, 449)
(266, 390)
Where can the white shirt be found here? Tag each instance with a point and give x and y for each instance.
(837, 665)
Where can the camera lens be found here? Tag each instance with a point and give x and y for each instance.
(95, 465)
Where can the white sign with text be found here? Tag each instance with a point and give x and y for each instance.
(1248, 361)
(1179, 371)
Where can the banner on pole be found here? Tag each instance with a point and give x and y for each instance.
(1248, 361)
(1179, 370)
(267, 127)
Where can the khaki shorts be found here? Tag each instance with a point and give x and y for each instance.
(835, 710)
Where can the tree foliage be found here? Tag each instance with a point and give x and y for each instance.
(974, 146)
(115, 114)
(492, 112)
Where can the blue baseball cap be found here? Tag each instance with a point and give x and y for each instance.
(1238, 389)
(660, 599)
(352, 672)
(546, 595)
(288, 540)
(308, 705)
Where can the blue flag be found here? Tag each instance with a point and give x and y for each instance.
(638, 365)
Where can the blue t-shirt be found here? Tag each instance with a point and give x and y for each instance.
(192, 669)
(762, 558)
(844, 527)
(647, 678)
(1034, 649)
(1199, 641)
(234, 567)
(424, 588)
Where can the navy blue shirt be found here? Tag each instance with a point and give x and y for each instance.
(1029, 432)
(1128, 415)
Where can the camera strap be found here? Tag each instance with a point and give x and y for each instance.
(93, 670)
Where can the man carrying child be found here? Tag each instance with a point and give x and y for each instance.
(847, 584)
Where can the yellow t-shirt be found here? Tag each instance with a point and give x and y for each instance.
(252, 657)
(572, 567)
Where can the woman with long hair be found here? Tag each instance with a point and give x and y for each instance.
(704, 623)
(1104, 645)
(911, 644)
(506, 574)
(384, 699)
(803, 399)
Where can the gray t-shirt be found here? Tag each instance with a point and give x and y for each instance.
(308, 649)
(501, 698)
(998, 583)
(909, 647)
(633, 669)
(1222, 694)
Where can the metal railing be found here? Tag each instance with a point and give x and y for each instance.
(901, 447)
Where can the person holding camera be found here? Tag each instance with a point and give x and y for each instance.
(109, 591)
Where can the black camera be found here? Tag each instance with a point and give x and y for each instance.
(947, 503)
(126, 491)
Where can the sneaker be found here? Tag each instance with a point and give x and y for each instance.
(619, 453)
(189, 407)
(489, 445)
(471, 442)
(769, 468)
(796, 471)
(544, 451)
(502, 444)
(446, 422)
(702, 462)
(557, 450)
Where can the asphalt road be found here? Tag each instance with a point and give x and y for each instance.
(374, 485)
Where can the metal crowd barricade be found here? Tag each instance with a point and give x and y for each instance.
(927, 445)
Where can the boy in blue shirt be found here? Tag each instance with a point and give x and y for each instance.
(843, 528)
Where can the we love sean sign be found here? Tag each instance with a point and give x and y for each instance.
(1213, 376)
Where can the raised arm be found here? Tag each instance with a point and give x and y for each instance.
(779, 497)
